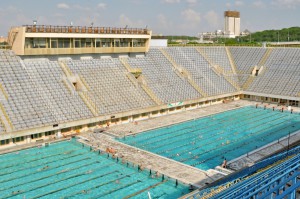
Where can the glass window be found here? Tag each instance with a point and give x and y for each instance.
(53, 43)
(66, 43)
(117, 42)
(18, 139)
(77, 43)
(97, 43)
(4, 142)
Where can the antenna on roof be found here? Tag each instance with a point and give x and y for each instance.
(146, 27)
(92, 24)
(34, 22)
(126, 26)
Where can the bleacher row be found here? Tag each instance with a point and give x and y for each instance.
(34, 92)
(274, 177)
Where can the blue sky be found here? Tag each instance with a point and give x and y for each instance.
(176, 17)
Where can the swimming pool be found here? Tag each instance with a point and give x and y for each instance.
(205, 142)
(71, 170)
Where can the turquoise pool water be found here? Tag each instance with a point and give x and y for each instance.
(205, 142)
(71, 170)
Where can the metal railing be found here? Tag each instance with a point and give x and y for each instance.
(83, 29)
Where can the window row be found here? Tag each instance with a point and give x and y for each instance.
(82, 43)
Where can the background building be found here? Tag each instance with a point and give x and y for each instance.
(232, 23)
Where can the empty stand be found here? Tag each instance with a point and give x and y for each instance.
(162, 78)
(65, 106)
(110, 89)
(24, 106)
(201, 71)
(282, 73)
(35, 92)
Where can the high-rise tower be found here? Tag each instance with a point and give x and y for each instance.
(232, 23)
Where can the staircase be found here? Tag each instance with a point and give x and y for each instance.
(4, 119)
(219, 70)
(89, 103)
(12, 37)
(3, 94)
(143, 82)
(184, 73)
(83, 94)
(265, 57)
(134, 71)
(233, 83)
(68, 85)
(248, 82)
(65, 68)
(262, 70)
(140, 80)
(232, 63)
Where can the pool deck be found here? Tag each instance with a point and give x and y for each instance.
(171, 168)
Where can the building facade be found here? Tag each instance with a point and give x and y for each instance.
(232, 24)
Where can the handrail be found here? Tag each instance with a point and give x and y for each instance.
(84, 29)
(3, 91)
(6, 117)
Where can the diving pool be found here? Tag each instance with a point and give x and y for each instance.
(71, 170)
(205, 142)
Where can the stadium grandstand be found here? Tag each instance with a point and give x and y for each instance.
(63, 81)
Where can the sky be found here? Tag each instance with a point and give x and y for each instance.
(167, 17)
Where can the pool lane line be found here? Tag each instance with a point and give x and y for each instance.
(67, 178)
(206, 130)
(37, 159)
(218, 146)
(35, 171)
(194, 148)
(100, 185)
(40, 163)
(241, 144)
(57, 173)
(187, 127)
(208, 115)
(143, 190)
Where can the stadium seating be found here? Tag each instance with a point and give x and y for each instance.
(110, 88)
(218, 56)
(282, 75)
(201, 71)
(162, 79)
(36, 91)
(64, 106)
(25, 107)
(270, 177)
(246, 58)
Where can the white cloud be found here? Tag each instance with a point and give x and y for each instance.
(191, 1)
(228, 5)
(63, 6)
(171, 1)
(291, 4)
(79, 7)
(101, 5)
(191, 15)
(126, 21)
(163, 22)
(238, 3)
(212, 19)
(258, 4)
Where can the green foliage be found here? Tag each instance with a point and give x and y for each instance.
(285, 34)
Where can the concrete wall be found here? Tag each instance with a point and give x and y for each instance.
(158, 43)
